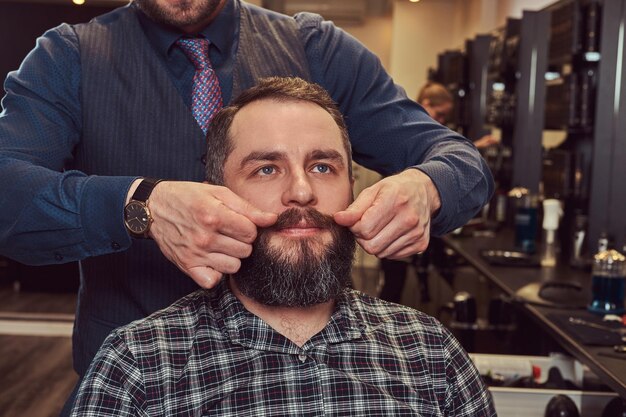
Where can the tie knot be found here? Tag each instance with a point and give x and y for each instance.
(197, 50)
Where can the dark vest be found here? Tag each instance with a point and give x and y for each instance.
(136, 124)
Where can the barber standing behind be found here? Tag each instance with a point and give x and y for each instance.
(98, 111)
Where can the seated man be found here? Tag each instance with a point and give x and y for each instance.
(285, 335)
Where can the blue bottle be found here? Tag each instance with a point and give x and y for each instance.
(608, 283)
(525, 219)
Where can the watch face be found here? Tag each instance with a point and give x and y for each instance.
(136, 217)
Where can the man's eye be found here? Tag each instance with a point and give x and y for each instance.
(322, 168)
(268, 170)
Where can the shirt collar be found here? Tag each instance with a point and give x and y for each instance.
(220, 31)
(243, 327)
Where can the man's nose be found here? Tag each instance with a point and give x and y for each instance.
(299, 190)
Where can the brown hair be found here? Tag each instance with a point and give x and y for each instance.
(435, 93)
(219, 143)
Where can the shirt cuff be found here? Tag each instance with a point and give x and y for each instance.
(447, 186)
(102, 214)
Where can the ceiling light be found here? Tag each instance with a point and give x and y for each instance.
(78, 2)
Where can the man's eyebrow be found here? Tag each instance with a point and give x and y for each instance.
(262, 156)
(329, 154)
(318, 154)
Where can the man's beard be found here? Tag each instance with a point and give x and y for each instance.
(298, 273)
(184, 13)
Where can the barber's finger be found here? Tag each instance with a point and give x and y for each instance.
(347, 218)
(204, 276)
(231, 224)
(351, 215)
(395, 251)
(225, 245)
(409, 244)
(223, 263)
(234, 202)
(206, 271)
(262, 218)
(379, 244)
(379, 216)
(409, 250)
(401, 231)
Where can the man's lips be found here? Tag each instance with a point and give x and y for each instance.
(303, 228)
(300, 231)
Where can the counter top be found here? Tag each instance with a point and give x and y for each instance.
(522, 284)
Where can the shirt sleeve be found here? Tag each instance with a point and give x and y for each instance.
(51, 214)
(466, 395)
(388, 131)
(113, 384)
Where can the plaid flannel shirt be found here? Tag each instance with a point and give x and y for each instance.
(207, 355)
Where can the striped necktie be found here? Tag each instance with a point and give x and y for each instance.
(206, 97)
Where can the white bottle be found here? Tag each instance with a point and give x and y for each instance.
(552, 213)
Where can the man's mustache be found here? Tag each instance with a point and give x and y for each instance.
(297, 216)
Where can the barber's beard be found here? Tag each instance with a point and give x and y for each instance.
(298, 272)
(179, 13)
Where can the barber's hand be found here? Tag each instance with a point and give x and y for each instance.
(204, 229)
(391, 219)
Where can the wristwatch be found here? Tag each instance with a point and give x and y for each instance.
(136, 213)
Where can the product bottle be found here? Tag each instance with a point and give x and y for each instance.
(608, 283)
(525, 218)
(552, 213)
(603, 242)
(578, 249)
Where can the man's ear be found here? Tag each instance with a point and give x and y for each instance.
(352, 181)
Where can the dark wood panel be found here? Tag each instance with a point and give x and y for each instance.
(34, 302)
(36, 375)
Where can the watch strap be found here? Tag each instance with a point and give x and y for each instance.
(143, 191)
